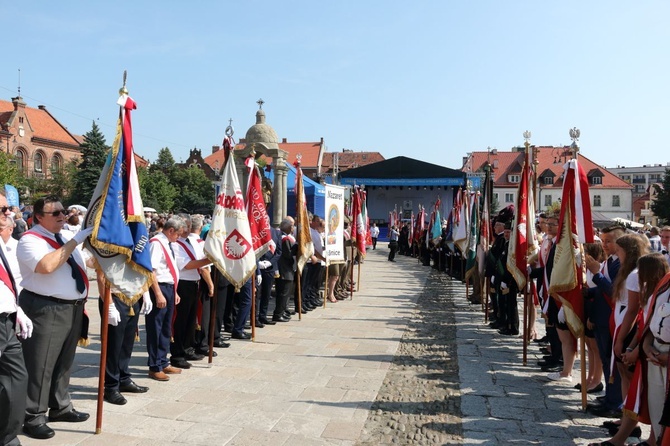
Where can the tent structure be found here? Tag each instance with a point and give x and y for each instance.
(315, 193)
(403, 171)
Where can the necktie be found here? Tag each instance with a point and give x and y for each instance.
(6, 273)
(171, 250)
(76, 272)
(188, 241)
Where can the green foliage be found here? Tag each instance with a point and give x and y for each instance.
(661, 206)
(9, 172)
(196, 191)
(156, 190)
(94, 153)
(164, 163)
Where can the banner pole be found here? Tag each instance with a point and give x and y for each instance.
(487, 283)
(253, 308)
(351, 275)
(358, 280)
(325, 287)
(525, 322)
(107, 298)
(582, 346)
(212, 314)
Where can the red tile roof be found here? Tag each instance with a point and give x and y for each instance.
(44, 125)
(349, 159)
(504, 163)
(310, 152)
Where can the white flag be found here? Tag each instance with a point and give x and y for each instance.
(228, 243)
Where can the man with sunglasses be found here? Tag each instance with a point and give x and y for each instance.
(55, 288)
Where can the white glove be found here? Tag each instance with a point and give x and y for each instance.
(503, 286)
(529, 269)
(264, 264)
(493, 279)
(113, 315)
(147, 304)
(25, 324)
(82, 235)
(259, 280)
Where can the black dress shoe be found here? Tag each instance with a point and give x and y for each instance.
(206, 353)
(40, 432)
(115, 397)
(279, 319)
(242, 335)
(549, 363)
(603, 411)
(597, 389)
(180, 363)
(318, 303)
(70, 417)
(636, 432)
(541, 340)
(221, 344)
(552, 368)
(131, 387)
(267, 322)
(259, 324)
(193, 356)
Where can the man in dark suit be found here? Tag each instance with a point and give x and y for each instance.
(269, 270)
(286, 267)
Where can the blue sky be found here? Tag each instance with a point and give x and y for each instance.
(431, 80)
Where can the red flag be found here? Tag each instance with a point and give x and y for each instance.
(259, 221)
(304, 236)
(358, 229)
(574, 227)
(522, 242)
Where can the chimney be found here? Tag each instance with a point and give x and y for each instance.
(18, 103)
(322, 140)
(283, 140)
(215, 149)
(494, 151)
(42, 107)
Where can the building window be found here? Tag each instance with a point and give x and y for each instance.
(547, 200)
(38, 161)
(20, 157)
(596, 201)
(509, 198)
(616, 201)
(514, 178)
(56, 163)
(596, 180)
(548, 180)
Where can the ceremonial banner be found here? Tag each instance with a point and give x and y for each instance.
(304, 237)
(358, 228)
(259, 221)
(574, 227)
(120, 242)
(12, 195)
(229, 243)
(366, 218)
(473, 241)
(485, 224)
(461, 221)
(523, 242)
(436, 229)
(420, 224)
(334, 203)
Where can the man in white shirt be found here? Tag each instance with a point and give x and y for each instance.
(13, 374)
(55, 288)
(374, 233)
(312, 274)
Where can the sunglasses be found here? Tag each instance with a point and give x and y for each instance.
(5, 209)
(55, 213)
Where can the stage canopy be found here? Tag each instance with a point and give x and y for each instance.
(403, 171)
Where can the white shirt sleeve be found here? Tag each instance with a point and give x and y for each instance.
(632, 282)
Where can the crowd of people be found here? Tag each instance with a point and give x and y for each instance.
(44, 286)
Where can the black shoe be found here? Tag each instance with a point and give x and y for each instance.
(247, 326)
(115, 397)
(70, 417)
(597, 389)
(259, 324)
(180, 363)
(549, 363)
(508, 332)
(228, 329)
(552, 368)
(242, 335)
(131, 387)
(495, 325)
(267, 322)
(603, 411)
(193, 356)
(318, 303)
(541, 340)
(636, 432)
(40, 432)
(206, 353)
(221, 344)
(282, 318)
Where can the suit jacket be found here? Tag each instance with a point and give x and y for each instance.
(286, 263)
(274, 257)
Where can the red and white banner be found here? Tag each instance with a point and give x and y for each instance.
(259, 221)
(229, 243)
(358, 229)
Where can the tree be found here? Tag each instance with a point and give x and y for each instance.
(94, 153)
(196, 192)
(164, 163)
(9, 172)
(156, 190)
(661, 206)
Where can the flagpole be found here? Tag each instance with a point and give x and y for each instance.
(253, 309)
(487, 283)
(526, 137)
(351, 273)
(325, 287)
(107, 298)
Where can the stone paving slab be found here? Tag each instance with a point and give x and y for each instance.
(308, 382)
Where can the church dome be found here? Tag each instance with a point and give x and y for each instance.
(262, 132)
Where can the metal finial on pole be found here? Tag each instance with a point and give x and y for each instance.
(574, 136)
(123, 90)
(260, 103)
(19, 82)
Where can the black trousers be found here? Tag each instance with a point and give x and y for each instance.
(49, 355)
(284, 289)
(393, 246)
(120, 342)
(185, 319)
(266, 291)
(13, 382)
